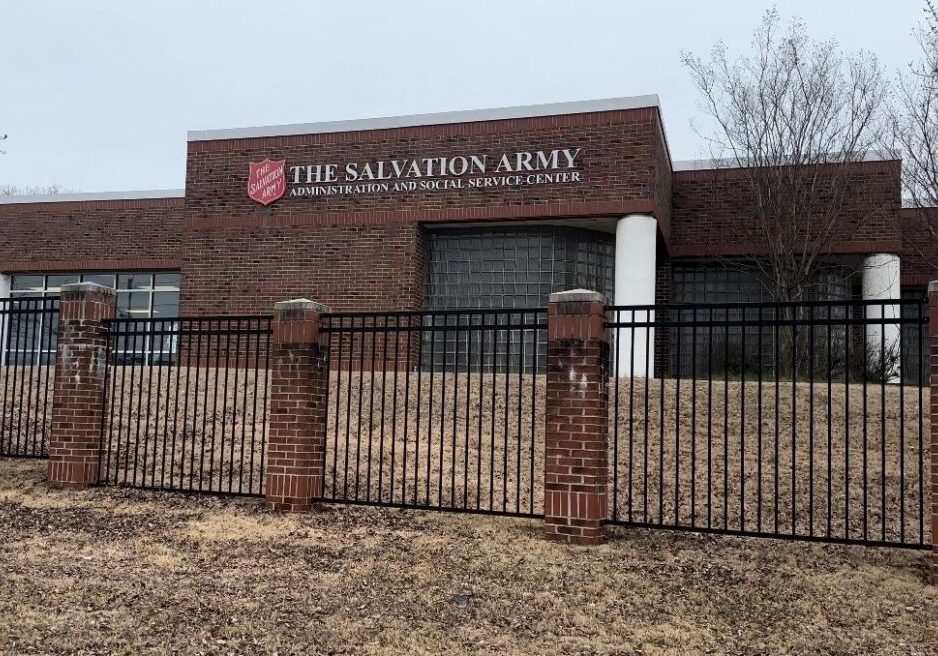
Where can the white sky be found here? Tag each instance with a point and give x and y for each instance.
(98, 95)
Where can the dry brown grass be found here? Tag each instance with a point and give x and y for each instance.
(190, 427)
(477, 442)
(447, 440)
(111, 571)
(477, 462)
(755, 444)
(25, 409)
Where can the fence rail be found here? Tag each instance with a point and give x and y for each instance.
(795, 420)
(28, 326)
(799, 420)
(436, 410)
(185, 404)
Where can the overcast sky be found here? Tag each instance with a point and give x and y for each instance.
(98, 96)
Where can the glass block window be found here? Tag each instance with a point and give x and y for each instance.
(715, 284)
(139, 295)
(515, 267)
(505, 268)
(727, 351)
(915, 369)
(726, 283)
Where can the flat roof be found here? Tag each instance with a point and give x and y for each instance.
(732, 163)
(440, 118)
(94, 195)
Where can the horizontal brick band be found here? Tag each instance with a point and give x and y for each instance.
(728, 249)
(498, 126)
(92, 205)
(91, 264)
(493, 212)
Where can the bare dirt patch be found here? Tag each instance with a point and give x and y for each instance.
(112, 571)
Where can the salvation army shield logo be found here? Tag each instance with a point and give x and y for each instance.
(266, 181)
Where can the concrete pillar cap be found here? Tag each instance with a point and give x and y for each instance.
(933, 286)
(577, 296)
(301, 304)
(89, 287)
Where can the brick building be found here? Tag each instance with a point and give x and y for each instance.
(490, 208)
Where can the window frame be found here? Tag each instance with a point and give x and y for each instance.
(45, 352)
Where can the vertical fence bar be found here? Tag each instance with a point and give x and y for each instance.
(152, 432)
(9, 317)
(447, 459)
(811, 364)
(710, 421)
(924, 356)
(742, 422)
(617, 378)
(933, 411)
(864, 506)
(26, 337)
(137, 416)
(396, 365)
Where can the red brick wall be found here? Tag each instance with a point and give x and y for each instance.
(364, 252)
(663, 187)
(91, 235)
(708, 206)
(918, 258)
(367, 252)
(355, 266)
(620, 153)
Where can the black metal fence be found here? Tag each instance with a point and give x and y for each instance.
(185, 404)
(784, 420)
(436, 410)
(800, 420)
(28, 328)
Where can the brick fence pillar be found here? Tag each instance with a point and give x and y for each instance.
(299, 377)
(78, 388)
(932, 475)
(576, 459)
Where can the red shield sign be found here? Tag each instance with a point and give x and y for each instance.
(267, 181)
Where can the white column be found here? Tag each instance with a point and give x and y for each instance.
(636, 243)
(5, 281)
(881, 283)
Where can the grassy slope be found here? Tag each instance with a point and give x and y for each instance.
(110, 571)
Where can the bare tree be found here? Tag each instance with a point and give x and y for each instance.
(914, 127)
(793, 116)
(54, 188)
(31, 190)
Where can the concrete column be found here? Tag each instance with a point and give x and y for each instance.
(81, 354)
(636, 244)
(576, 457)
(299, 378)
(881, 283)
